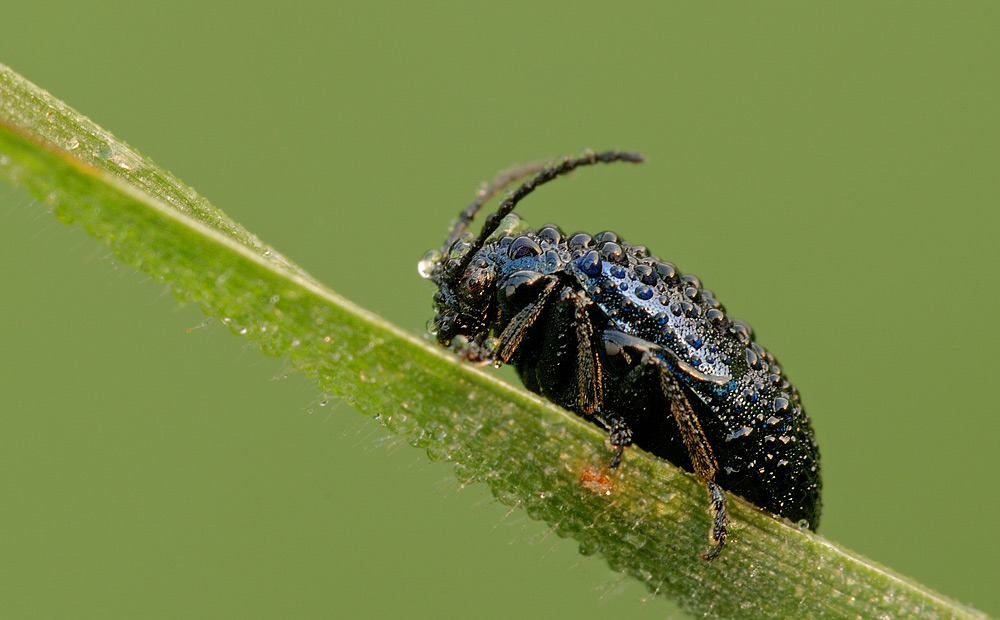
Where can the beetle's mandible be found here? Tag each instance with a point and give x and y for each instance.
(625, 340)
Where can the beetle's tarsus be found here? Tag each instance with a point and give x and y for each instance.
(620, 436)
(616, 458)
(720, 520)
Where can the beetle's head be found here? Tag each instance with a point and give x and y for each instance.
(465, 298)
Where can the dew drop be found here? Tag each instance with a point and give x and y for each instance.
(580, 240)
(588, 547)
(742, 431)
(590, 263)
(523, 247)
(426, 265)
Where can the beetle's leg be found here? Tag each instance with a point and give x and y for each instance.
(621, 437)
(702, 458)
(510, 338)
(512, 335)
(700, 451)
(646, 359)
(589, 392)
(589, 374)
(720, 520)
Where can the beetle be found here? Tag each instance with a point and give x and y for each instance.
(625, 340)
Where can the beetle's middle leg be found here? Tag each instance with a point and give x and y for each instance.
(589, 392)
(584, 391)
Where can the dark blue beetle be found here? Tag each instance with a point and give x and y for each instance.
(625, 340)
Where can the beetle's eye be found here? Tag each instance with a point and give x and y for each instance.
(476, 282)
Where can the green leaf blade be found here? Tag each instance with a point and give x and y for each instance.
(652, 525)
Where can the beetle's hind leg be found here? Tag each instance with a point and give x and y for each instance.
(702, 459)
(720, 519)
(647, 360)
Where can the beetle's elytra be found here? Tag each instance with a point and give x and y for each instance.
(625, 340)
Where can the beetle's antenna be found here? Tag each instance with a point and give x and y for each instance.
(547, 174)
(485, 193)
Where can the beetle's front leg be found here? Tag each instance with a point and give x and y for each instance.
(474, 352)
(510, 338)
(530, 289)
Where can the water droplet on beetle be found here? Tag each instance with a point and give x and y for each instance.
(426, 265)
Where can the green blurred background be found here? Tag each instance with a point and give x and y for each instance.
(829, 170)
